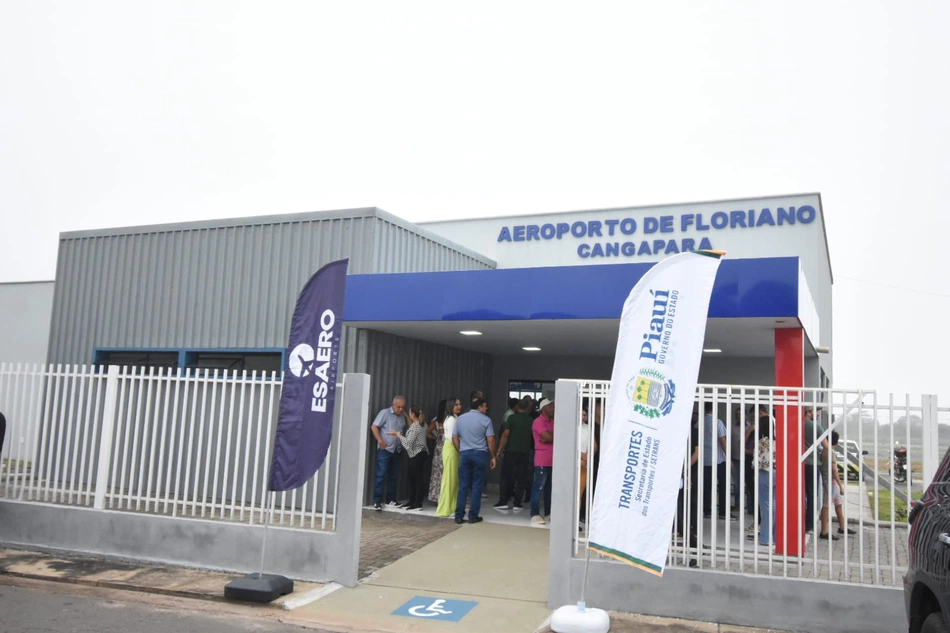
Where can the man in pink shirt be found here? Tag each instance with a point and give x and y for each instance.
(543, 432)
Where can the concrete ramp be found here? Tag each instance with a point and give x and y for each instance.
(502, 568)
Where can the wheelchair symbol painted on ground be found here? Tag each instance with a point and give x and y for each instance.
(430, 608)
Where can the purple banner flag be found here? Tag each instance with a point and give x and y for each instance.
(305, 421)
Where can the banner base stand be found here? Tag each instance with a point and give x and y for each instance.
(577, 618)
(258, 587)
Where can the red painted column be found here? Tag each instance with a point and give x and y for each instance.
(789, 488)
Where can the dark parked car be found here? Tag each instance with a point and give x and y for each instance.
(927, 582)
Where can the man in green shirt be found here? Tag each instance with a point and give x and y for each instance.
(515, 447)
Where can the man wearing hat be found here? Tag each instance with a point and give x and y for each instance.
(543, 432)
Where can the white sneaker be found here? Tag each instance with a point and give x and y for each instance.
(537, 520)
(394, 505)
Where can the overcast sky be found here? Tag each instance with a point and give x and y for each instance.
(123, 113)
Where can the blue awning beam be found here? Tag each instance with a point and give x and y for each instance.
(573, 309)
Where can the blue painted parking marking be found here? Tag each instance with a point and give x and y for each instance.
(429, 608)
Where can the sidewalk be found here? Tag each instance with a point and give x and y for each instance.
(499, 569)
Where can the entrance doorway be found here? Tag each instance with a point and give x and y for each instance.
(537, 389)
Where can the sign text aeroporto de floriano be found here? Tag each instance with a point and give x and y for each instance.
(655, 235)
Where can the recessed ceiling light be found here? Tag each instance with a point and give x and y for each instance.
(471, 333)
(712, 350)
(531, 349)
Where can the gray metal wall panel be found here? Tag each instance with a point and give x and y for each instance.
(223, 286)
(423, 372)
(400, 249)
(353, 350)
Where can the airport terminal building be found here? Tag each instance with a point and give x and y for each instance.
(543, 292)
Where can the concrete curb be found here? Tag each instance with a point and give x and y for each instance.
(123, 575)
(110, 584)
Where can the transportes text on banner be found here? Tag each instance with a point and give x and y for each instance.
(648, 411)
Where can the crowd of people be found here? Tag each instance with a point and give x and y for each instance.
(463, 449)
(752, 439)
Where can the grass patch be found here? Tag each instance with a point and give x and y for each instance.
(883, 468)
(13, 463)
(8, 466)
(881, 505)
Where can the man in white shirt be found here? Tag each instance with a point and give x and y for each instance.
(512, 402)
(714, 463)
(583, 446)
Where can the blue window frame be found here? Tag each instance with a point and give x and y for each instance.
(263, 360)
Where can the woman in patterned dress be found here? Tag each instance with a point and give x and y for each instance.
(435, 432)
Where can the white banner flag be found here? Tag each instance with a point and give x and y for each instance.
(646, 428)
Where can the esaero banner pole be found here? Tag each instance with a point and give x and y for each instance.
(646, 429)
(307, 401)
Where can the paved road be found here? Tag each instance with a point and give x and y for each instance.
(30, 610)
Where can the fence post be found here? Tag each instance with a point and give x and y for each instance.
(354, 426)
(931, 450)
(563, 582)
(105, 439)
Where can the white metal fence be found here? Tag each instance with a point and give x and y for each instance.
(192, 443)
(717, 520)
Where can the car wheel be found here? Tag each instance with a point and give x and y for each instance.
(934, 624)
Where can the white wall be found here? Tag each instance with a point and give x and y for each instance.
(812, 375)
(802, 240)
(25, 312)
